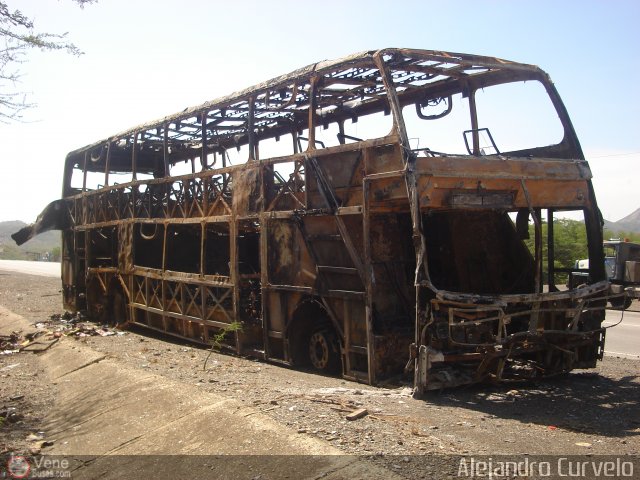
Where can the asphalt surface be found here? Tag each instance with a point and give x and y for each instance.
(623, 339)
(46, 269)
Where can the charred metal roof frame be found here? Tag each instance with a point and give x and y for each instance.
(349, 87)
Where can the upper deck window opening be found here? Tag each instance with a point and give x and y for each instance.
(94, 179)
(519, 116)
(77, 177)
(352, 106)
(444, 134)
(183, 167)
(118, 178)
(280, 146)
(512, 117)
(354, 129)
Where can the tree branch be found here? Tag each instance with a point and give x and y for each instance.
(19, 35)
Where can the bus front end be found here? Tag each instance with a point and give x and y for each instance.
(493, 298)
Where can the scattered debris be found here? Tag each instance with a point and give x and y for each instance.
(10, 343)
(35, 437)
(48, 333)
(37, 446)
(356, 414)
(39, 346)
(11, 414)
(75, 325)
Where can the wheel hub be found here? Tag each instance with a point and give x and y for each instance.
(319, 350)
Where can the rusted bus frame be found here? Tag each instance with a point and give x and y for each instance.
(230, 170)
(388, 63)
(471, 299)
(89, 208)
(172, 296)
(593, 293)
(288, 214)
(385, 60)
(195, 198)
(288, 188)
(515, 348)
(413, 59)
(587, 301)
(466, 311)
(320, 292)
(409, 160)
(328, 194)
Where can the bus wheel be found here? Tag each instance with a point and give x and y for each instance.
(324, 352)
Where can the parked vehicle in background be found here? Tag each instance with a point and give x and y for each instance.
(622, 263)
(622, 266)
(355, 216)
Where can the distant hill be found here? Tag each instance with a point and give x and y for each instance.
(45, 242)
(630, 223)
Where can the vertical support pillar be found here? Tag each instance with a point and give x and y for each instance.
(133, 199)
(203, 139)
(368, 274)
(84, 171)
(312, 113)
(203, 241)
(551, 254)
(235, 274)
(163, 284)
(165, 149)
(264, 282)
(251, 129)
(411, 181)
(134, 157)
(474, 122)
(106, 164)
(294, 137)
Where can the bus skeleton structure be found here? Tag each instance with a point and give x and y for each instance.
(361, 256)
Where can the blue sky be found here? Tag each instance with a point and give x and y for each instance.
(146, 59)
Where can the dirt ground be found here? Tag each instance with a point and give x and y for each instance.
(585, 412)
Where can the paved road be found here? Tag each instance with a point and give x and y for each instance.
(624, 339)
(46, 269)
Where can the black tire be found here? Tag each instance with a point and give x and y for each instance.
(323, 351)
(620, 303)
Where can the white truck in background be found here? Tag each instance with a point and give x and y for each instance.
(622, 264)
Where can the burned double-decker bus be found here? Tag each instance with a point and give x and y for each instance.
(366, 216)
